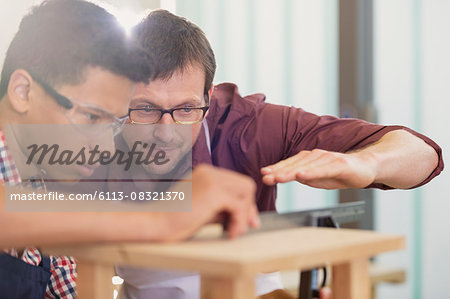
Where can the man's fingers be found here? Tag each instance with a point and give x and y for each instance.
(221, 191)
(286, 162)
(290, 173)
(328, 184)
(279, 173)
(324, 159)
(254, 217)
(308, 160)
(281, 164)
(238, 223)
(328, 170)
(243, 213)
(314, 156)
(235, 195)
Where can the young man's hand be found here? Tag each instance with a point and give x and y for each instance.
(216, 191)
(323, 169)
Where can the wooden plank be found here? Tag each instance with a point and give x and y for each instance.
(299, 248)
(351, 280)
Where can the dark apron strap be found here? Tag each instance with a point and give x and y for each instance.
(45, 263)
(20, 280)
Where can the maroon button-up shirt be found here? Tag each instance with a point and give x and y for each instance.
(247, 134)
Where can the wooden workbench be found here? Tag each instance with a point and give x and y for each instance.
(228, 267)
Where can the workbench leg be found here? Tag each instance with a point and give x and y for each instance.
(351, 280)
(240, 287)
(94, 281)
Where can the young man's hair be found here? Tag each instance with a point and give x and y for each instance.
(175, 43)
(59, 39)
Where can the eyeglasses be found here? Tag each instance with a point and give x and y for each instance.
(184, 115)
(81, 114)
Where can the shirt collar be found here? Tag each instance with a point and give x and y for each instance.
(9, 175)
(8, 171)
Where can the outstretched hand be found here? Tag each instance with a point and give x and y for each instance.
(324, 169)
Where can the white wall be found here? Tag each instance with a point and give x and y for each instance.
(412, 88)
(436, 98)
(11, 12)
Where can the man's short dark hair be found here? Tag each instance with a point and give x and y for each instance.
(175, 43)
(58, 39)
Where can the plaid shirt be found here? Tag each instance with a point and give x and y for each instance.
(62, 282)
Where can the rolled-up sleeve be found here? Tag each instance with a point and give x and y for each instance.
(278, 132)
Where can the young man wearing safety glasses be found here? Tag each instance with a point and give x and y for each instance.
(71, 64)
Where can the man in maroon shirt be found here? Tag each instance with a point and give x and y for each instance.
(271, 143)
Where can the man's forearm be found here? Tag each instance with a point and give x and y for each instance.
(402, 160)
(19, 229)
(39, 229)
(233, 193)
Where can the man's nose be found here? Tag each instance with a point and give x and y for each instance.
(165, 131)
(166, 119)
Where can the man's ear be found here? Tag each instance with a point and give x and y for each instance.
(19, 90)
(210, 91)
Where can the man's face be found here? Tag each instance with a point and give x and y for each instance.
(101, 94)
(184, 89)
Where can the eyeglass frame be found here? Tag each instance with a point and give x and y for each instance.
(170, 111)
(68, 104)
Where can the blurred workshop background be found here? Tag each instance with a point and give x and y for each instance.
(382, 60)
